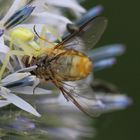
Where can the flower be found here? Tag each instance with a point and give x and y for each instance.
(7, 93)
(12, 19)
(60, 119)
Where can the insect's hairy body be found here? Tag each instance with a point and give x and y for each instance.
(61, 64)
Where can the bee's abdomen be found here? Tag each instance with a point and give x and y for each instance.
(81, 67)
(74, 66)
(71, 65)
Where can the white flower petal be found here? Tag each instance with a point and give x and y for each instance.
(29, 90)
(70, 4)
(40, 6)
(3, 51)
(14, 77)
(67, 4)
(114, 102)
(3, 48)
(103, 64)
(4, 103)
(48, 19)
(107, 51)
(5, 93)
(27, 69)
(15, 6)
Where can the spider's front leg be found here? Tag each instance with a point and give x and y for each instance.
(7, 59)
(23, 39)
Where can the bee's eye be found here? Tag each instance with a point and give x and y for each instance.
(22, 34)
(72, 28)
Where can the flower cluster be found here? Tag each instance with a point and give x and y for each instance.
(18, 85)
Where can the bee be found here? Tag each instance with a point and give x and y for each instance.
(63, 61)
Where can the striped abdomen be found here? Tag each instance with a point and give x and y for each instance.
(64, 65)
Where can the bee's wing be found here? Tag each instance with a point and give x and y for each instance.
(84, 99)
(76, 43)
(91, 107)
(81, 88)
(89, 33)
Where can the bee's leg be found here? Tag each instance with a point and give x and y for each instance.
(59, 86)
(69, 96)
(7, 58)
(64, 94)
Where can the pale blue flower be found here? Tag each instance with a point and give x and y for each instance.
(59, 119)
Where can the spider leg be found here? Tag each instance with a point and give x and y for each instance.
(7, 58)
(42, 38)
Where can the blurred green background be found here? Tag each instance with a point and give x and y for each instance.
(124, 27)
